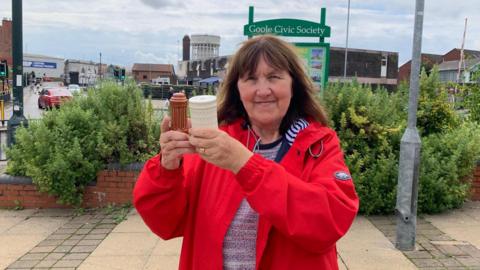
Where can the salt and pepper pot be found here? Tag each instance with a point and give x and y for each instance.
(178, 112)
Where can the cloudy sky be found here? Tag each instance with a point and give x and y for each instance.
(150, 31)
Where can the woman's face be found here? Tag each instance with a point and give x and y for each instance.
(266, 95)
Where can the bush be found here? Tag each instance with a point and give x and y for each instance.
(447, 163)
(435, 114)
(472, 102)
(64, 150)
(370, 125)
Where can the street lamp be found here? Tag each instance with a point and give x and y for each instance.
(346, 42)
(17, 118)
(408, 169)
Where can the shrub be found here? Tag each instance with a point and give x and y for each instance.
(472, 102)
(447, 163)
(435, 114)
(63, 151)
(370, 125)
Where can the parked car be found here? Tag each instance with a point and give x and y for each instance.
(74, 88)
(46, 85)
(53, 97)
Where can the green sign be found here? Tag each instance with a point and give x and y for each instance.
(315, 56)
(287, 27)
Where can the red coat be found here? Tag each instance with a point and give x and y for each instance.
(305, 204)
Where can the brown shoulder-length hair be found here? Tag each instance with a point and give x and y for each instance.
(282, 56)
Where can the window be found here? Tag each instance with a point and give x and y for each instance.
(383, 69)
(144, 77)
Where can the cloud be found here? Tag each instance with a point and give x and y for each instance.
(158, 4)
(148, 57)
(128, 31)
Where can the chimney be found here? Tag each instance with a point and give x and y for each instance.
(186, 48)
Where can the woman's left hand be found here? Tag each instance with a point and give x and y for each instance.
(218, 148)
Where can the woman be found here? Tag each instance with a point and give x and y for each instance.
(269, 189)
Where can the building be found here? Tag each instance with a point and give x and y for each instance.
(204, 62)
(190, 72)
(44, 66)
(204, 46)
(428, 61)
(377, 68)
(448, 70)
(454, 55)
(150, 72)
(373, 67)
(6, 41)
(448, 65)
(81, 72)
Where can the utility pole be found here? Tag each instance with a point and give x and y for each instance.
(100, 68)
(462, 56)
(408, 170)
(17, 118)
(346, 43)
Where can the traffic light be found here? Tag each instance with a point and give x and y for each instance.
(3, 70)
(122, 74)
(116, 73)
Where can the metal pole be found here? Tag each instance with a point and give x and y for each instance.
(407, 189)
(17, 51)
(100, 68)
(346, 42)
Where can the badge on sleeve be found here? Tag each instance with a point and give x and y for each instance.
(342, 176)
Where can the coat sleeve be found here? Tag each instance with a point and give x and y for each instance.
(313, 212)
(160, 197)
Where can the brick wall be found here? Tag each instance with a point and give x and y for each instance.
(6, 41)
(112, 186)
(475, 195)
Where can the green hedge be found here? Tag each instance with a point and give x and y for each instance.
(64, 150)
(370, 125)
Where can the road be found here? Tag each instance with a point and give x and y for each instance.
(30, 108)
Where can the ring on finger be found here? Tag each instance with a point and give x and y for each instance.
(202, 150)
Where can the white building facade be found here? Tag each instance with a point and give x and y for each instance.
(204, 46)
(44, 66)
(80, 72)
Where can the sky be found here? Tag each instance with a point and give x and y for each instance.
(151, 31)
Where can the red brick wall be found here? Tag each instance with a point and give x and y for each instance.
(6, 41)
(404, 72)
(112, 187)
(475, 195)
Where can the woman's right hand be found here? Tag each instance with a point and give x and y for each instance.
(173, 145)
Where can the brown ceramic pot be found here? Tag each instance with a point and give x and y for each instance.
(178, 112)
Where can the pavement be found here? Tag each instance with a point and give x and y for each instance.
(95, 239)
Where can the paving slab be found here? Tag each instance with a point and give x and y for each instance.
(22, 230)
(461, 224)
(128, 246)
(365, 247)
(119, 263)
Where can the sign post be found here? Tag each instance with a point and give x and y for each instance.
(17, 118)
(316, 56)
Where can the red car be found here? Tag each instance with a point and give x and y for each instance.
(53, 97)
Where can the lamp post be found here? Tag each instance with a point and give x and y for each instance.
(346, 42)
(407, 188)
(100, 68)
(17, 51)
